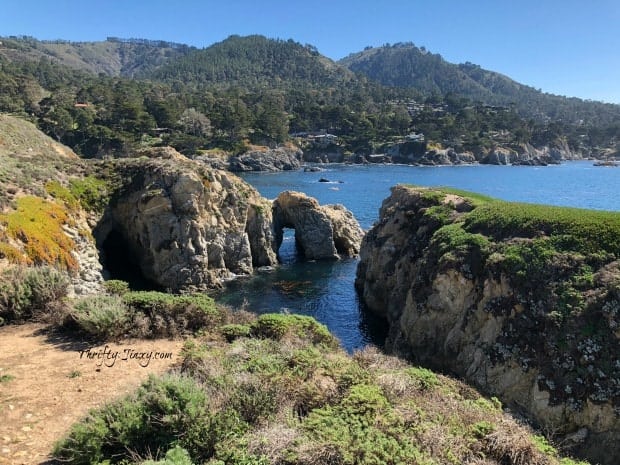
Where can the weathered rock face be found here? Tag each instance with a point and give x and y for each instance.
(186, 225)
(284, 158)
(526, 154)
(504, 305)
(322, 232)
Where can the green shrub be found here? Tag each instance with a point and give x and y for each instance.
(175, 456)
(235, 331)
(253, 401)
(102, 316)
(116, 286)
(425, 378)
(93, 193)
(363, 429)
(277, 326)
(453, 238)
(166, 412)
(27, 293)
(481, 429)
(166, 315)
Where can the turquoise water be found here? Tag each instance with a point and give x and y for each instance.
(325, 290)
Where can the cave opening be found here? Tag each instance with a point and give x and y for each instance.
(119, 262)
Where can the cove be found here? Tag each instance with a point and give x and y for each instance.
(325, 290)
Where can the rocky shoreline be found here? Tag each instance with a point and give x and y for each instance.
(290, 157)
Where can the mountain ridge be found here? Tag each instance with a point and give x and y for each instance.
(408, 66)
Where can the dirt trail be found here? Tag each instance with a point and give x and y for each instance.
(53, 381)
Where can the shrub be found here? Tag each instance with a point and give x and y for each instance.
(175, 456)
(27, 293)
(116, 287)
(169, 315)
(481, 429)
(235, 331)
(102, 316)
(277, 326)
(254, 401)
(425, 378)
(93, 193)
(358, 427)
(166, 411)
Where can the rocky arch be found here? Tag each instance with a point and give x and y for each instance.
(321, 232)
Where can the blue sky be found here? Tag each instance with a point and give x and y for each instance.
(564, 47)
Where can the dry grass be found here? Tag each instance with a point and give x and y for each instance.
(512, 446)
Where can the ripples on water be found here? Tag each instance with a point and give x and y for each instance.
(325, 290)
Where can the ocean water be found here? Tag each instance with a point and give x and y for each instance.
(325, 290)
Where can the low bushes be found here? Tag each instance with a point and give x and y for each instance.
(277, 394)
(31, 293)
(144, 314)
(103, 316)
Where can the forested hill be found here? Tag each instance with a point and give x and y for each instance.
(110, 97)
(407, 66)
(113, 57)
(255, 60)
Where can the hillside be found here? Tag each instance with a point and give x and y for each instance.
(262, 91)
(112, 57)
(407, 66)
(255, 60)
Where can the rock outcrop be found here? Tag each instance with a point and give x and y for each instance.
(321, 232)
(187, 226)
(522, 301)
(284, 158)
(170, 222)
(527, 154)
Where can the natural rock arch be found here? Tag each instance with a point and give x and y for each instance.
(321, 232)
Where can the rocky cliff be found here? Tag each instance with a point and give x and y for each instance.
(521, 300)
(160, 219)
(283, 158)
(184, 225)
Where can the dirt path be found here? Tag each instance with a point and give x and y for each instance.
(50, 381)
